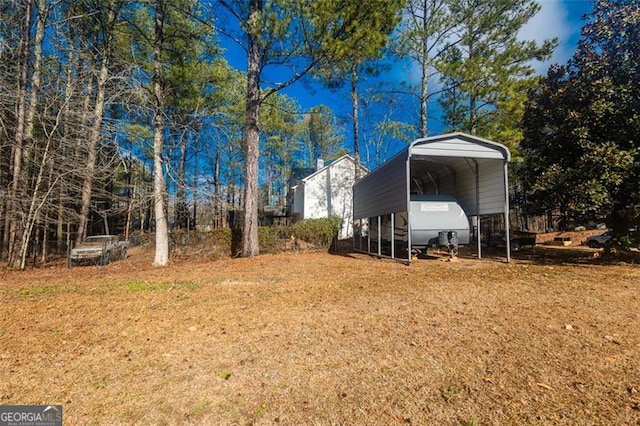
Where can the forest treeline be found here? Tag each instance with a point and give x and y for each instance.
(124, 115)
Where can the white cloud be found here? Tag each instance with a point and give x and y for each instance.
(553, 20)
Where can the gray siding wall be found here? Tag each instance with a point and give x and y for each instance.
(382, 191)
(491, 188)
(465, 191)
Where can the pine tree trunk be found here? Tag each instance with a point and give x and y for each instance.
(473, 115)
(159, 190)
(250, 244)
(424, 87)
(424, 77)
(356, 131)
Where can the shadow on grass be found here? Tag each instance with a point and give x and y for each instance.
(555, 255)
(539, 255)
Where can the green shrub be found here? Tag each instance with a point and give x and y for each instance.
(319, 232)
(269, 239)
(223, 242)
(220, 236)
(220, 241)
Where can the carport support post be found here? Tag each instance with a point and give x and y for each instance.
(393, 235)
(479, 233)
(379, 236)
(408, 206)
(506, 210)
(479, 237)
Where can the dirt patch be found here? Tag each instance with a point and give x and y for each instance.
(314, 338)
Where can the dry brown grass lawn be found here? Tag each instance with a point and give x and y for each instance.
(314, 338)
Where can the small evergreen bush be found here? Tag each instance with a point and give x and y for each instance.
(319, 232)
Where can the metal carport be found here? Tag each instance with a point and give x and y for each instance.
(472, 169)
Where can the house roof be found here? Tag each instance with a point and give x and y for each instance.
(336, 161)
(299, 173)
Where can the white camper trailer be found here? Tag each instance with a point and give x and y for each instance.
(430, 215)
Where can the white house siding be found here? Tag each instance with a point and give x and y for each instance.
(329, 192)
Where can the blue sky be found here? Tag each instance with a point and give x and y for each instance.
(561, 19)
(557, 18)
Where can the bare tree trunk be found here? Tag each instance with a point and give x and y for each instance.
(130, 206)
(30, 114)
(45, 228)
(270, 178)
(218, 205)
(94, 135)
(42, 189)
(13, 216)
(68, 124)
(162, 229)
(36, 203)
(250, 243)
(36, 77)
(60, 219)
(194, 192)
(181, 214)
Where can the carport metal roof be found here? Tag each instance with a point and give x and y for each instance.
(472, 169)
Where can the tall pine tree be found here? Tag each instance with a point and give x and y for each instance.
(486, 60)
